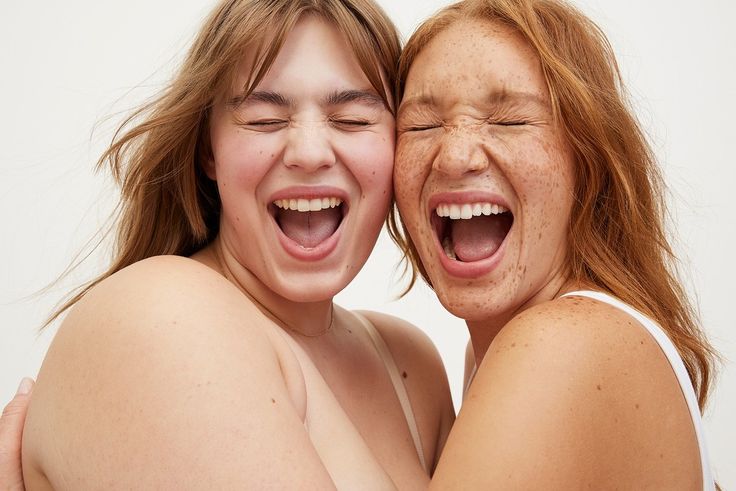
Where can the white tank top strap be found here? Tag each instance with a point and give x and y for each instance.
(668, 348)
(398, 383)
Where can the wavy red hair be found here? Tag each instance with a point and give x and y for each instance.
(616, 231)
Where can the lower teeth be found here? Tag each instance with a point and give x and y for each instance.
(447, 246)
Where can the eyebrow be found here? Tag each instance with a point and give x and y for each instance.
(505, 96)
(265, 96)
(495, 97)
(340, 97)
(336, 98)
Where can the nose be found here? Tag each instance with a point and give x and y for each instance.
(309, 147)
(460, 153)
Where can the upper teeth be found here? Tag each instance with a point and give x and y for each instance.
(468, 210)
(302, 204)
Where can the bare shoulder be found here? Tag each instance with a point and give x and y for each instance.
(597, 333)
(159, 363)
(425, 378)
(576, 393)
(405, 340)
(414, 352)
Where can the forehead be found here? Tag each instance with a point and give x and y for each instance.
(314, 54)
(472, 58)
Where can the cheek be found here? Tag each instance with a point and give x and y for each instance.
(546, 179)
(370, 158)
(243, 159)
(411, 168)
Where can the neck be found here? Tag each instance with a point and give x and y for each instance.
(309, 319)
(484, 331)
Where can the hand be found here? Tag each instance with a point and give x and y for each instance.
(11, 434)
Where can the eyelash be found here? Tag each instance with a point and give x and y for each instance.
(509, 123)
(266, 122)
(421, 128)
(497, 123)
(353, 123)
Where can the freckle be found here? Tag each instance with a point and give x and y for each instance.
(404, 374)
(661, 456)
(637, 406)
(513, 345)
(598, 387)
(273, 401)
(641, 342)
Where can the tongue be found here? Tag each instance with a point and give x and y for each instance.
(309, 229)
(479, 237)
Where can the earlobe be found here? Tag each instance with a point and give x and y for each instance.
(208, 166)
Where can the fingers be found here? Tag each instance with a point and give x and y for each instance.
(11, 434)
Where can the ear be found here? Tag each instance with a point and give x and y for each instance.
(208, 166)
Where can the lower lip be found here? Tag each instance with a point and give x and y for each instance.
(470, 270)
(321, 251)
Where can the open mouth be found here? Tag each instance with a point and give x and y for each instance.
(309, 221)
(470, 232)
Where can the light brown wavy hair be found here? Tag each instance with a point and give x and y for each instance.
(617, 238)
(168, 205)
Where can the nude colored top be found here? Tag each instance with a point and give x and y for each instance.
(398, 383)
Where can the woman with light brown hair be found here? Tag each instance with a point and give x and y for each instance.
(534, 208)
(210, 354)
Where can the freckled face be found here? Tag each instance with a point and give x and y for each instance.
(312, 131)
(477, 138)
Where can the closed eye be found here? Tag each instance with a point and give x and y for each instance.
(509, 123)
(351, 123)
(265, 124)
(417, 128)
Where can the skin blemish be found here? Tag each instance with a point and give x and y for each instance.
(404, 374)
(637, 406)
(273, 401)
(598, 387)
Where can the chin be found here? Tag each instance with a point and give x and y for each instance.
(475, 300)
(313, 287)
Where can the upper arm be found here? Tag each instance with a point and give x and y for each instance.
(567, 398)
(162, 377)
(425, 378)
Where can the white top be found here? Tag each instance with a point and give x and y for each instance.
(677, 365)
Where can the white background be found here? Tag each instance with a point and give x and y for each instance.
(69, 68)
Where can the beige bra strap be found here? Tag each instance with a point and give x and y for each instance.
(398, 384)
